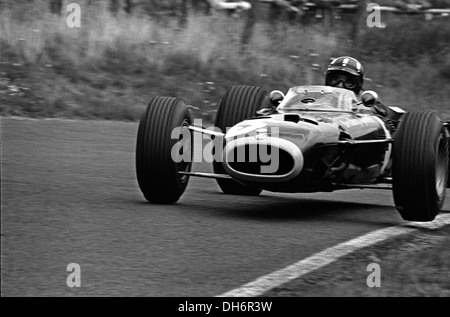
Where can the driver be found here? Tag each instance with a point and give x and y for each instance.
(348, 73)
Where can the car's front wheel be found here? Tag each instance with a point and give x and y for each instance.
(420, 166)
(158, 171)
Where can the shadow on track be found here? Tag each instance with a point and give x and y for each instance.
(292, 209)
(270, 208)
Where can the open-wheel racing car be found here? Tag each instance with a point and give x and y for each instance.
(313, 139)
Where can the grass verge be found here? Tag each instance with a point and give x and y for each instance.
(411, 266)
(112, 65)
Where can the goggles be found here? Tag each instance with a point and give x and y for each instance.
(347, 82)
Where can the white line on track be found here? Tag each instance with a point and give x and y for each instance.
(330, 255)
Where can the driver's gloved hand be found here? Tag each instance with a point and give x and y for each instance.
(380, 109)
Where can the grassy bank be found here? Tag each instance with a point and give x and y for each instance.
(110, 66)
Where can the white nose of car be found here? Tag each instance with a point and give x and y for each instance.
(261, 158)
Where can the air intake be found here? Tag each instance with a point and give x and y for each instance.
(252, 158)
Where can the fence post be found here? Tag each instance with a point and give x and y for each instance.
(128, 6)
(56, 6)
(183, 14)
(114, 6)
(250, 19)
(357, 19)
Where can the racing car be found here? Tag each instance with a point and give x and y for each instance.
(311, 139)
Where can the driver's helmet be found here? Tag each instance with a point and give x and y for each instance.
(346, 72)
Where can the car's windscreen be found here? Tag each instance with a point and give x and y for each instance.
(318, 100)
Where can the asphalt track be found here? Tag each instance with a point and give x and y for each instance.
(69, 195)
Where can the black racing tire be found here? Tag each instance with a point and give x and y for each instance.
(448, 146)
(239, 103)
(420, 166)
(157, 173)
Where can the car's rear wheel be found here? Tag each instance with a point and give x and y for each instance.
(239, 103)
(420, 166)
(157, 171)
(448, 147)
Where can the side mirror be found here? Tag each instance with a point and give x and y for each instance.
(276, 97)
(369, 98)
